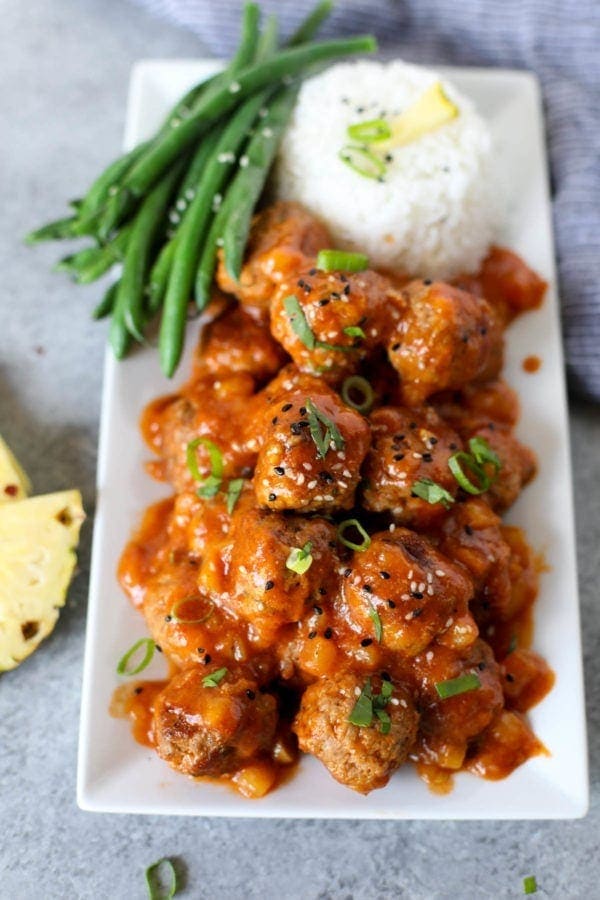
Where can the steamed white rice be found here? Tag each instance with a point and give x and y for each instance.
(436, 211)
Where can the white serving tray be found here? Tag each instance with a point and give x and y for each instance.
(116, 774)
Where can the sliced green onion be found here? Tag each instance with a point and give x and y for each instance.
(212, 483)
(123, 664)
(370, 132)
(323, 439)
(375, 618)
(384, 718)
(385, 694)
(530, 885)
(359, 385)
(341, 261)
(159, 888)
(178, 615)
(483, 453)
(363, 162)
(354, 331)
(456, 463)
(300, 559)
(212, 680)
(353, 523)
(432, 492)
(300, 326)
(234, 489)
(362, 711)
(460, 685)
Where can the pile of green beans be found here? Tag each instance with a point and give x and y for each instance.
(162, 211)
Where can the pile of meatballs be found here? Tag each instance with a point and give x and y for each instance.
(423, 593)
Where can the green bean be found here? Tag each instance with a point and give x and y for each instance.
(267, 42)
(54, 231)
(159, 275)
(118, 335)
(311, 24)
(249, 182)
(91, 263)
(129, 300)
(105, 307)
(248, 81)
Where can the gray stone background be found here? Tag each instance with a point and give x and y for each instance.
(64, 69)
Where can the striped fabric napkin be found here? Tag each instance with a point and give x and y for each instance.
(556, 39)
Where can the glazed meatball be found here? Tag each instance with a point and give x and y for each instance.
(493, 401)
(338, 322)
(445, 339)
(204, 730)
(312, 447)
(507, 283)
(362, 758)
(247, 573)
(204, 409)
(448, 724)
(408, 446)
(517, 464)
(283, 239)
(505, 744)
(415, 592)
(236, 343)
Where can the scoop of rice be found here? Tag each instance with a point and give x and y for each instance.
(436, 209)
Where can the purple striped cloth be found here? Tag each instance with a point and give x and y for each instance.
(557, 39)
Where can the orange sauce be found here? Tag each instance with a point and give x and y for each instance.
(531, 364)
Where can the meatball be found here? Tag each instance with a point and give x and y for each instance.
(361, 757)
(507, 283)
(335, 322)
(448, 724)
(517, 464)
(446, 339)
(247, 573)
(408, 446)
(283, 240)
(507, 743)
(236, 343)
(494, 400)
(413, 591)
(212, 730)
(312, 447)
(206, 409)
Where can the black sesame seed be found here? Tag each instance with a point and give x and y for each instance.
(483, 331)
(395, 346)
(326, 476)
(366, 642)
(481, 666)
(427, 457)
(391, 604)
(296, 428)
(201, 650)
(269, 585)
(452, 446)
(250, 694)
(328, 634)
(324, 301)
(347, 573)
(312, 271)
(286, 407)
(159, 648)
(311, 635)
(412, 425)
(427, 281)
(318, 610)
(388, 157)
(417, 595)
(302, 410)
(322, 591)
(399, 437)
(279, 470)
(272, 497)
(347, 290)
(274, 420)
(417, 612)
(433, 440)
(168, 618)
(367, 588)
(207, 659)
(385, 676)
(384, 575)
(510, 677)
(398, 457)
(468, 529)
(138, 690)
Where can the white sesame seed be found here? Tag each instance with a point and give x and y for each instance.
(421, 587)
(244, 161)
(226, 157)
(300, 479)
(429, 578)
(430, 590)
(405, 597)
(219, 242)
(394, 701)
(347, 473)
(174, 217)
(267, 132)
(234, 87)
(417, 455)
(190, 194)
(440, 573)
(413, 586)
(449, 622)
(311, 485)
(180, 205)
(329, 498)
(429, 655)
(392, 528)
(343, 484)
(403, 703)
(410, 574)
(357, 691)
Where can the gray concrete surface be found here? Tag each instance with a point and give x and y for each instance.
(64, 68)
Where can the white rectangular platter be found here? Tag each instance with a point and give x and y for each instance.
(116, 774)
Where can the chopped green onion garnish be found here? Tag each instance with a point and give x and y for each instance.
(341, 261)
(300, 559)
(529, 885)
(123, 664)
(212, 680)
(374, 616)
(386, 722)
(358, 385)
(362, 711)
(161, 879)
(483, 453)
(459, 685)
(353, 523)
(234, 489)
(362, 161)
(456, 463)
(300, 326)
(354, 331)
(432, 492)
(199, 609)
(370, 132)
(323, 439)
(211, 484)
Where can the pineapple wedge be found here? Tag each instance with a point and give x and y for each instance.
(432, 110)
(38, 537)
(14, 483)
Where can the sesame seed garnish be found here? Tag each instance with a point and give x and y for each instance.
(269, 585)
(244, 161)
(279, 470)
(384, 575)
(272, 497)
(234, 87)
(366, 642)
(328, 634)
